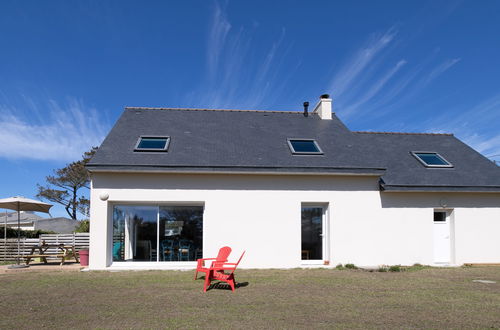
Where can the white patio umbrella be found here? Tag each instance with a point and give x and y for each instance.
(19, 203)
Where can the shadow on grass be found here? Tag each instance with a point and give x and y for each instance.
(225, 286)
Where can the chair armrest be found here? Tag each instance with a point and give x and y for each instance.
(201, 261)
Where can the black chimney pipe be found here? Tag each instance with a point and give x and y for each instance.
(306, 105)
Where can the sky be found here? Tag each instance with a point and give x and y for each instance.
(68, 68)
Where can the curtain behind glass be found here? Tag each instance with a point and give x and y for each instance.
(134, 233)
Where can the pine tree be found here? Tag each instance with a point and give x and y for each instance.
(65, 185)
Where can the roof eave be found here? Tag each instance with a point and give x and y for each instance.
(443, 188)
(375, 172)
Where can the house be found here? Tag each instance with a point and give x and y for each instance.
(26, 220)
(30, 221)
(293, 189)
(58, 225)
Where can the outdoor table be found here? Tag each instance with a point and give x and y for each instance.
(44, 250)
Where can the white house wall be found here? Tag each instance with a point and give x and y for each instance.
(262, 215)
(478, 233)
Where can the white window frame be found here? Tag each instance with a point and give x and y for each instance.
(414, 153)
(289, 141)
(325, 235)
(164, 149)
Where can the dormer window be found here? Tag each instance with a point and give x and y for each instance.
(304, 147)
(152, 143)
(431, 159)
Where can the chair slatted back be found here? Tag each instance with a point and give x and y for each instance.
(222, 256)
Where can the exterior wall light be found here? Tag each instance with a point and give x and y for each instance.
(104, 196)
(443, 202)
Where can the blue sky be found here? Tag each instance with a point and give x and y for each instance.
(67, 68)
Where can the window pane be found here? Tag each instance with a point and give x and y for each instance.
(439, 216)
(134, 233)
(152, 143)
(432, 159)
(304, 146)
(181, 233)
(312, 230)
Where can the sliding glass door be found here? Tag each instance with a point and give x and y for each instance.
(181, 233)
(157, 233)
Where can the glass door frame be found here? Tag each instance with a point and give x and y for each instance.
(325, 235)
(153, 263)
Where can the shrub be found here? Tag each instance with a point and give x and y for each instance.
(417, 266)
(339, 267)
(350, 266)
(12, 233)
(382, 269)
(83, 227)
(395, 268)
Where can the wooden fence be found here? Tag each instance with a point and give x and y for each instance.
(8, 248)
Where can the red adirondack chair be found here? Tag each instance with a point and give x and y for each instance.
(218, 273)
(220, 259)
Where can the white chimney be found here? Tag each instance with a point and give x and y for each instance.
(324, 107)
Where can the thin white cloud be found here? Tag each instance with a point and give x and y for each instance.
(219, 29)
(440, 69)
(66, 131)
(406, 89)
(487, 145)
(263, 71)
(423, 81)
(348, 74)
(466, 123)
(374, 89)
(231, 81)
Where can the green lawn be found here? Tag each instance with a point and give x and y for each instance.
(428, 298)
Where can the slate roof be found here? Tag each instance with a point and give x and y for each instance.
(470, 172)
(60, 225)
(204, 140)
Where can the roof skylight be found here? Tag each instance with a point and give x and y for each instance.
(304, 147)
(431, 159)
(152, 143)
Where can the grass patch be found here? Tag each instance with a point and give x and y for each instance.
(296, 298)
(2, 263)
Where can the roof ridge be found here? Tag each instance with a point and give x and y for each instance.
(402, 133)
(206, 109)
